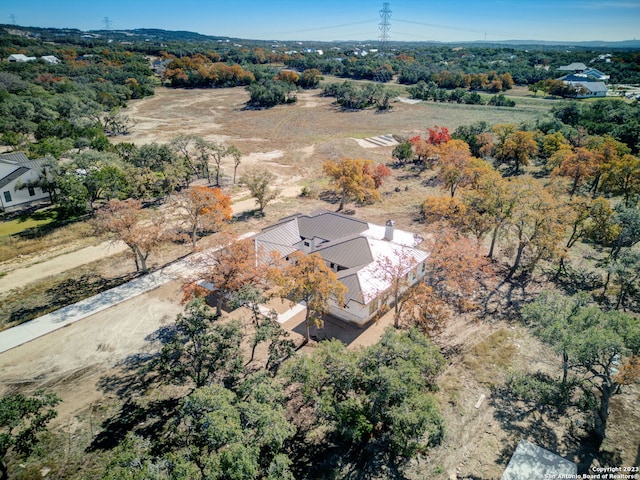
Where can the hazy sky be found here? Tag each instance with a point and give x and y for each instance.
(444, 20)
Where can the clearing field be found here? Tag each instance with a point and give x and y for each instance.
(293, 141)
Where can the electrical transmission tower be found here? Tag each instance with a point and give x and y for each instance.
(385, 26)
(107, 23)
(13, 19)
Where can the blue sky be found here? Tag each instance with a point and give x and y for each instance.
(444, 20)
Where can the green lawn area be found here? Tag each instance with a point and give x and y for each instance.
(27, 221)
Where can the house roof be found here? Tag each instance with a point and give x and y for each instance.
(19, 57)
(348, 252)
(573, 67)
(530, 462)
(590, 86)
(359, 248)
(19, 159)
(577, 77)
(329, 225)
(12, 176)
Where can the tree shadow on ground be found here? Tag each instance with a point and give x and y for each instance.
(573, 281)
(329, 196)
(506, 299)
(331, 459)
(149, 421)
(538, 422)
(136, 375)
(65, 293)
(247, 215)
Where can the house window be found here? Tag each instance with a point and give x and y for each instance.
(306, 244)
(32, 191)
(373, 306)
(7, 196)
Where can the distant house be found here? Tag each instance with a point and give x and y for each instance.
(20, 58)
(357, 251)
(530, 462)
(588, 89)
(16, 172)
(573, 67)
(51, 59)
(590, 75)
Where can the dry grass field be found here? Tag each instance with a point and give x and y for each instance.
(293, 141)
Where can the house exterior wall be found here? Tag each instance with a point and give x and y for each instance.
(12, 198)
(355, 312)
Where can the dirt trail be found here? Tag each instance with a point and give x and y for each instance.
(23, 276)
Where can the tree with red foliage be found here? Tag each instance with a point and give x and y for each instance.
(438, 135)
(379, 173)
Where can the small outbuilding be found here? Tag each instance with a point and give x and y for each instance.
(530, 462)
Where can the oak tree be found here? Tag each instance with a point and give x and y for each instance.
(260, 183)
(202, 209)
(199, 351)
(307, 278)
(23, 418)
(226, 269)
(122, 220)
(353, 179)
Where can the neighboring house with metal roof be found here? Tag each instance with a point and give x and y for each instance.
(17, 173)
(573, 67)
(20, 58)
(530, 462)
(586, 89)
(51, 59)
(364, 256)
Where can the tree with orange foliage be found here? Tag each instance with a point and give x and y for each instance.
(203, 209)
(449, 211)
(536, 224)
(456, 270)
(307, 278)
(579, 165)
(226, 269)
(422, 150)
(379, 173)
(354, 179)
(425, 309)
(517, 148)
(454, 165)
(288, 76)
(121, 220)
(396, 270)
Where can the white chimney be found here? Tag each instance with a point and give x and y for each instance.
(388, 230)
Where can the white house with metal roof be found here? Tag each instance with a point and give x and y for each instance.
(586, 89)
(364, 256)
(17, 173)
